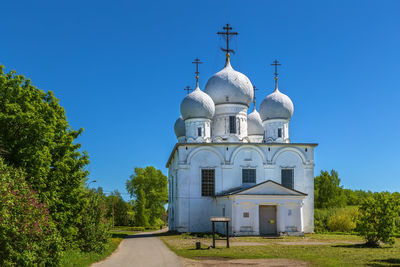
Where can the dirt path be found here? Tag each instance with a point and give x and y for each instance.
(243, 262)
(141, 250)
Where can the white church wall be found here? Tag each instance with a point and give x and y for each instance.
(303, 179)
(192, 211)
(308, 208)
(199, 208)
(245, 225)
(172, 200)
(223, 209)
(243, 157)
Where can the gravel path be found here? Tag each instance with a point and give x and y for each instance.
(142, 250)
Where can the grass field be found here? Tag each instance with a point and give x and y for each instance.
(317, 249)
(76, 258)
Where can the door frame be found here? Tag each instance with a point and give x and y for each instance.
(276, 222)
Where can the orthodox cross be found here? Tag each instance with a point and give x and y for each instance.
(276, 64)
(227, 34)
(188, 89)
(254, 98)
(197, 62)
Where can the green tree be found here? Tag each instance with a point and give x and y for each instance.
(355, 197)
(328, 192)
(119, 208)
(35, 136)
(141, 216)
(377, 220)
(153, 183)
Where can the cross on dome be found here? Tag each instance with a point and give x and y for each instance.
(227, 34)
(197, 62)
(188, 89)
(276, 64)
(254, 96)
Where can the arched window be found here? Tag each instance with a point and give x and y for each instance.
(287, 176)
(232, 124)
(207, 182)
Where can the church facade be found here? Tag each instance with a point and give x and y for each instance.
(243, 166)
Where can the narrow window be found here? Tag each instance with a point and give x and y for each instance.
(199, 131)
(288, 178)
(232, 124)
(223, 212)
(280, 132)
(249, 176)
(246, 215)
(207, 182)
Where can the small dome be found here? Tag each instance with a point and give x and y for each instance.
(276, 106)
(254, 124)
(197, 104)
(229, 86)
(179, 127)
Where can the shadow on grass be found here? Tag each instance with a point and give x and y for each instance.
(166, 233)
(363, 245)
(118, 235)
(145, 235)
(385, 262)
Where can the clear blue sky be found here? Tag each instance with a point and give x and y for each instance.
(119, 69)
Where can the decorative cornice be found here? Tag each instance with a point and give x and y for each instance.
(227, 166)
(183, 166)
(260, 145)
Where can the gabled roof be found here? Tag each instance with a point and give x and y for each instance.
(247, 190)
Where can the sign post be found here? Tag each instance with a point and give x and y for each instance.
(223, 220)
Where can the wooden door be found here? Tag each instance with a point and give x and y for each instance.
(267, 215)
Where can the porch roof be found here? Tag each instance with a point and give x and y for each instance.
(242, 190)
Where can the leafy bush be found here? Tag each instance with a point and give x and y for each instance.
(28, 237)
(343, 220)
(377, 218)
(321, 217)
(94, 227)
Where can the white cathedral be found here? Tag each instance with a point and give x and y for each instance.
(228, 163)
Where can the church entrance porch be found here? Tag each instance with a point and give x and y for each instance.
(267, 208)
(267, 220)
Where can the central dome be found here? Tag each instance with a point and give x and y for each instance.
(229, 86)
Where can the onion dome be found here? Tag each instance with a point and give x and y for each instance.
(254, 124)
(229, 86)
(276, 106)
(179, 127)
(197, 104)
